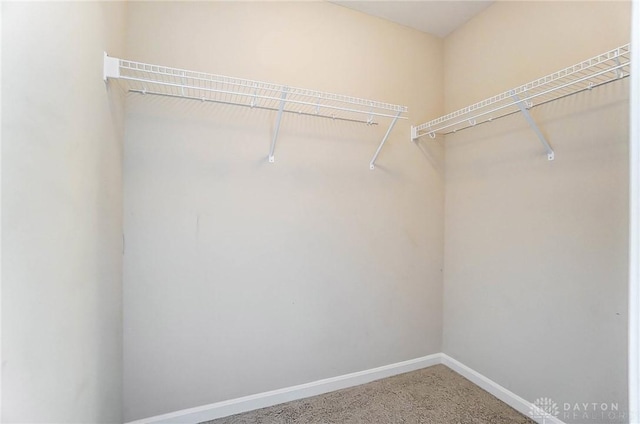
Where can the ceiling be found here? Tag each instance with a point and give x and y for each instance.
(439, 18)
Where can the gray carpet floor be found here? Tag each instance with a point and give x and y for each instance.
(434, 395)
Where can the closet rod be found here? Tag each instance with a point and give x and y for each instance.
(332, 117)
(252, 96)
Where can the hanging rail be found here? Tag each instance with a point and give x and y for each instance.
(158, 80)
(586, 75)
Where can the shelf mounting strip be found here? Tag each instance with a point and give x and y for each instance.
(586, 75)
(159, 80)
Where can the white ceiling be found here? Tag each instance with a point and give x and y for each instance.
(434, 17)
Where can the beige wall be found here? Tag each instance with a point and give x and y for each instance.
(535, 291)
(514, 42)
(243, 276)
(61, 214)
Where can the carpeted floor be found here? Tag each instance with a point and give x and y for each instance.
(434, 395)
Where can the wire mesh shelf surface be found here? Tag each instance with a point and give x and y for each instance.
(586, 75)
(161, 80)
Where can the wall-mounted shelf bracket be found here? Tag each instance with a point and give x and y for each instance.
(157, 80)
(283, 100)
(372, 164)
(111, 67)
(524, 108)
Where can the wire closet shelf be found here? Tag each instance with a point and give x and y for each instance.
(159, 80)
(586, 75)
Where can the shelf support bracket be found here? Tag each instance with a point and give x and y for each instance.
(372, 164)
(283, 100)
(619, 72)
(414, 133)
(111, 67)
(523, 108)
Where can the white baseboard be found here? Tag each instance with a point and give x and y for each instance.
(516, 402)
(275, 397)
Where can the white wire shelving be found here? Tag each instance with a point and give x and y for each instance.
(159, 80)
(586, 75)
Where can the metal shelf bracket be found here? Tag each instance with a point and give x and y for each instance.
(527, 115)
(283, 101)
(372, 164)
(111, 67)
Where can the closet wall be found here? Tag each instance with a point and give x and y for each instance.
(243, 276)
(535, 291)
(61, 213)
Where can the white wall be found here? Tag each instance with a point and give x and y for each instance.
(62, 214)
(243, 276)
(535, 293)
(634, 222)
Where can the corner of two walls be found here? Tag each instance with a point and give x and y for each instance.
(243, 276)
(535, 285)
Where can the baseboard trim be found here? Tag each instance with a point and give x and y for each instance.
(287, 394)
(516, 402)
(275, 397)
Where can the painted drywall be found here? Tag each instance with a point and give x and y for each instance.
(634, 220)
(243, 276)
(61, 214)
(535, 292)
